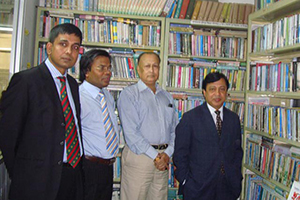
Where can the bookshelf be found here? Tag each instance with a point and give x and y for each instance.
(100, 30)
(271, 127)
(194, 48)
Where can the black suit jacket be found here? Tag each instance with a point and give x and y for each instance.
(32, 133)
(199, 153)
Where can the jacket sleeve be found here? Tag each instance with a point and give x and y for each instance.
(181, 155)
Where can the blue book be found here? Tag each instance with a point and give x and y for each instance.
(178, 43)
(201, 45)
(171, 10)
(192, 77)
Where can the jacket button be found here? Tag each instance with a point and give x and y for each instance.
(62, 124)
(61, 143)
(59, 162)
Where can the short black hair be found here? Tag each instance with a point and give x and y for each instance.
(66, 28)
(213, 77)
(140, 56)
(87, 60)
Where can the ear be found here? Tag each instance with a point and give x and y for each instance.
(49, 48)
(138, 70)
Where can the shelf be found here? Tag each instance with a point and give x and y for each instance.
(111, 45)
(287, 52)
(204, 57)
(287, 141)
(275, 11)
(286, 95)
(208, 24)
(281, 186)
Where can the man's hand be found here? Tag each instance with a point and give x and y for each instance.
(161, 161)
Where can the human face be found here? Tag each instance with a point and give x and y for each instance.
(148, 69)
(215, 93)
(100, 72)
(63, 52)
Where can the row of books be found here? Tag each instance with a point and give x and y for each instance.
(131, 7)
(107, 29)
(281, 33)
(280, 77)
(124, 62)
(257, 189)
(187, 40)
(208, 11)
(259, 4)
(274, 120)
(278, 166)
(191, 74)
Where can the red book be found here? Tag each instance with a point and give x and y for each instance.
(183, 10)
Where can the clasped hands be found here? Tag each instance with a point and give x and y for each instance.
(161, 162)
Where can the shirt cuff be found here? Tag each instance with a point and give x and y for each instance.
(169, 151)
(151, 152)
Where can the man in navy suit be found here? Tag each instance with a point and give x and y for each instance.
(208, 157)
(33, 127)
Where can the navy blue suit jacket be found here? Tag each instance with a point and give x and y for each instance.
(199, 153)
(32, 133)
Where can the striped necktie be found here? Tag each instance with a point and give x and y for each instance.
(71, 136)
(110, 134)
(218, 122)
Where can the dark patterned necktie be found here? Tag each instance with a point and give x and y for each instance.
(110, 134)
(71, 136)
(218, 122)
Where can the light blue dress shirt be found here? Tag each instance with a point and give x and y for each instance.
(55, 74)
(93, 131)
(147, 119)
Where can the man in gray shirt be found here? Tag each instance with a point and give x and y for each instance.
(148, 117)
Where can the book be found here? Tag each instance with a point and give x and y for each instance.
(184, 8)
(218, 12)
(196, 10)
(167, 8)
(224, 12)
(207, 10)
(190, 9)
(213, 11)
(202, 10)
(177, 12)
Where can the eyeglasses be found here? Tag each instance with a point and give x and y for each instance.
(103, 68)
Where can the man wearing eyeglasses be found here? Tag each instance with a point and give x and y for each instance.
(100, 130)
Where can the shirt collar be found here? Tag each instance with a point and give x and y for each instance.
(93, 90)
(142, 86)
(53, 71)
(212, 110)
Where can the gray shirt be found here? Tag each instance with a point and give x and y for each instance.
(147, 119)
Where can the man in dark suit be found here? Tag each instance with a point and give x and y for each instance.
(40, 124)
(208, 151)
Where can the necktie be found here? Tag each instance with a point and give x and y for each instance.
(110, 134)
(71, 136)
(218, 122)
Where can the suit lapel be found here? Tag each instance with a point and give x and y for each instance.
(50, 87)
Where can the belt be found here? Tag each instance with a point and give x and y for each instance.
(101, 160)
(160, 146)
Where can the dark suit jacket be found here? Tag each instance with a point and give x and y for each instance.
(199, 153)
(32, 133)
